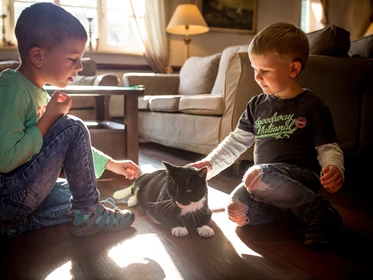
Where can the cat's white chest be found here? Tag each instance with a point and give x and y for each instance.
(194, 206)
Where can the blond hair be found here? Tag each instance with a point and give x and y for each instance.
(284, 40)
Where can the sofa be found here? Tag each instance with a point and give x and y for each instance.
(197, 108)
(188, 110)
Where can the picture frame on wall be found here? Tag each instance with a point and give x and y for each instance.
(229, 15)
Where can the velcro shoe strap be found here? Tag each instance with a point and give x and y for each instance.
(99, 211)
(104, 218)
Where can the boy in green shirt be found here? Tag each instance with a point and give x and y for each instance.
(37, 138)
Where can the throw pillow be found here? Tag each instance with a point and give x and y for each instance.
(362, 47)
(198, 74)
(330, 40)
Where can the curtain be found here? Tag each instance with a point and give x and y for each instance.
(152, 30)
(324, 18)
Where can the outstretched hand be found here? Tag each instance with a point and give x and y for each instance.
(201, 164)
(127, 168)
(332, 178)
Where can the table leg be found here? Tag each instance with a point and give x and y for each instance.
(132, 127)
(102, 108)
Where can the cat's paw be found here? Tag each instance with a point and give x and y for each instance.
(179, 231)
(132, 201)
(205, 231)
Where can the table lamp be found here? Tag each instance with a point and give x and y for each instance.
(369, 30)
(187, 20)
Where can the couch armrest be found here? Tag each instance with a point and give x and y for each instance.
(106, 80)
(155, 84)
(12, 64)
(239, 88)
(98, 80)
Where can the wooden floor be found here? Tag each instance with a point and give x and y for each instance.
(149, 251)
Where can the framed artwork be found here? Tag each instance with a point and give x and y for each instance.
(229, 15)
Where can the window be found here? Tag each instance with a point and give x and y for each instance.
(311, 15)
(110, 24)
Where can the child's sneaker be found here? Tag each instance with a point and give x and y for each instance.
(323, 231)
(102, 220)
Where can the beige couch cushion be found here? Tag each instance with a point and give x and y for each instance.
(154, 83)
(198, 74)
(202, 104)
(143, 102)
(164, 103)
(218, 87)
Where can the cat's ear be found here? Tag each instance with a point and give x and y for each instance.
(203, 172)
(168, 165)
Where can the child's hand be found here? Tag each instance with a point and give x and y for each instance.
(332, 178)
(127, 168)
(59, 105)
(201, 164)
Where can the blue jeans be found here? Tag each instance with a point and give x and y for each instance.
(31, 196)
(274, 188)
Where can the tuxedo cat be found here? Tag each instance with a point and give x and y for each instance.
(175, 196)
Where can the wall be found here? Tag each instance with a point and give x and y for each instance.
(351, 15)
(268, 11)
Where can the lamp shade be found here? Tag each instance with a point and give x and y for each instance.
(369, 30)
(187, 20)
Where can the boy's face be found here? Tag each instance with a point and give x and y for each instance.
(62, 63)
(275, 76)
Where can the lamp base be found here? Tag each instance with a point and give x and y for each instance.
(187, 42)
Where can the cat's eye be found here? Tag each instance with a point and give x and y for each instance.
(189, 190)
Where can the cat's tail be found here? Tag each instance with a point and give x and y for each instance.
(122, 196)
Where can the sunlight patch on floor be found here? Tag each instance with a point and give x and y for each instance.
(217, 199)
(63, 272)
(146, 250)
(147, 168)
(229, 229)
(217, 203)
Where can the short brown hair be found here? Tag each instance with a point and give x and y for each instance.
(283, 39)
(46, 25)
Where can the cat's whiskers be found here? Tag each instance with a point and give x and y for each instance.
(167, 208)
(198, 215)
(194, 220)
(161, 201)
(172, 180)
(170, 209)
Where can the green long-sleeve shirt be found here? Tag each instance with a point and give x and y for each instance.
(21, 105)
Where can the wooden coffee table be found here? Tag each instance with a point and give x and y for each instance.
(130, 117)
